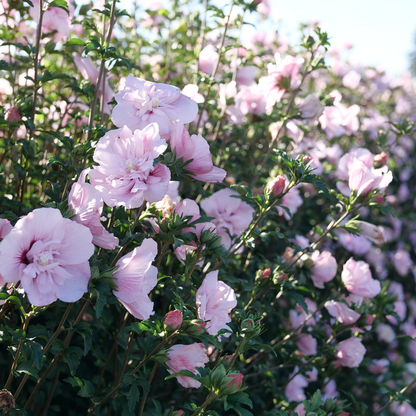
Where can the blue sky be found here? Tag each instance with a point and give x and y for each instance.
(382, 31)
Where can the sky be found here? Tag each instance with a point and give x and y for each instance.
(383, 31)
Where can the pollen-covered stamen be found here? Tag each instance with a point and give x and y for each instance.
(44, 259)
(155, 102)
(130, 165)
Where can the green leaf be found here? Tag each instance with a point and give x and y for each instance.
(133, 397)
(183, 373)
(300, 300)
(75, 42)
(26, 367)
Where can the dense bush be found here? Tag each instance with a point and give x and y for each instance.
(198, 218)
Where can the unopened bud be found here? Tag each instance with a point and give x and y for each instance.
(265, 274)
(178, 413)
(194, 327)
(380, 160)
(167, 206)
(280, 278)
(173, 319)
(86, 317)
(277, 185)
(217, 376)
(371, 232)
(13, 115)
(247, 325)
(306, 159)
(308, 263)
(231, 384)
(379, 199)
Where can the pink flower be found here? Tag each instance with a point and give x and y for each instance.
(246, 75)
(13, 115)
(53, 19)
(350, 352)
(282, 76)
(231, 214)
(135, 278)
(125, 174)
(88, 70)
(363, 178)
(379, 366)
(215, 300)
(294, 389)
(195, 147)
(187, 357)
(307, 344)
(331, 122)
(143, 102)
(402, 262)
(356, 244)
(357, 278)
(85, 202)
(49, 255)
(191, 91)
(208, 58)
(277, 185)
(231, 384)
(300, 409)
(342, 312)
(385, 333)
(251, 100)
(174, 318)
(311, 108)
(402, 409)
(324, 268)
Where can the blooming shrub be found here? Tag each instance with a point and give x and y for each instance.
(199, 219)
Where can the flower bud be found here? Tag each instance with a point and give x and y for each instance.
(277, 185)
(173, 319)
(178, 413)
(379, 199)
(13, 115)
(217, 376)
(306, 159)
(280, 278)
(380, 160)
(247, 325)
(231, 384)
(371, 232)
(86, 317)
(265, 274)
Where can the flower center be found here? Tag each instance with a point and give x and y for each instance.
(155, 102)
(130, 165)
(44, 259)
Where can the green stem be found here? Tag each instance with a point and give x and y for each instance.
(144, 398)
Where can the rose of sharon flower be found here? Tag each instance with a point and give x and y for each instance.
(215, 300)
(273, 83)
(294, 389)
(143, 102)
(311, 108)
(363, 178)
(231, 214)
(174, 318)
(208, 58)
(324, 268)
(54, 18)
(187, 357)
(195, 147)
(49, 255)
(125, 174)
(357, 278)
(342, 312)
(86, 203)
(135, 278)
(350, 352)
(292, 200)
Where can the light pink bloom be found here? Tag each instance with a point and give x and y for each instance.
(350, 352)
(246, 75)
(307, 344)
(402, 262)
(330, 392)
(89, 71)
(125, 174)
(231, 214)
(174, 318)
(251, 100)
(49, 255)
(363, 178)
(379, 366)
(215, 300)
(331, 122)
(355, 244)
(300, 409)
(342, 312)
(195, 147)
(324, 268)
(311, 108)
(13, 115)
(356, 276)
(86, 203)
(385, 333)
(351, 79)
(402, 409)
(312, 375)
(285, 70)
(187, 357)
(135, 278)
(208, 58)
(53, 19)
(294, 389)
(142, 102)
